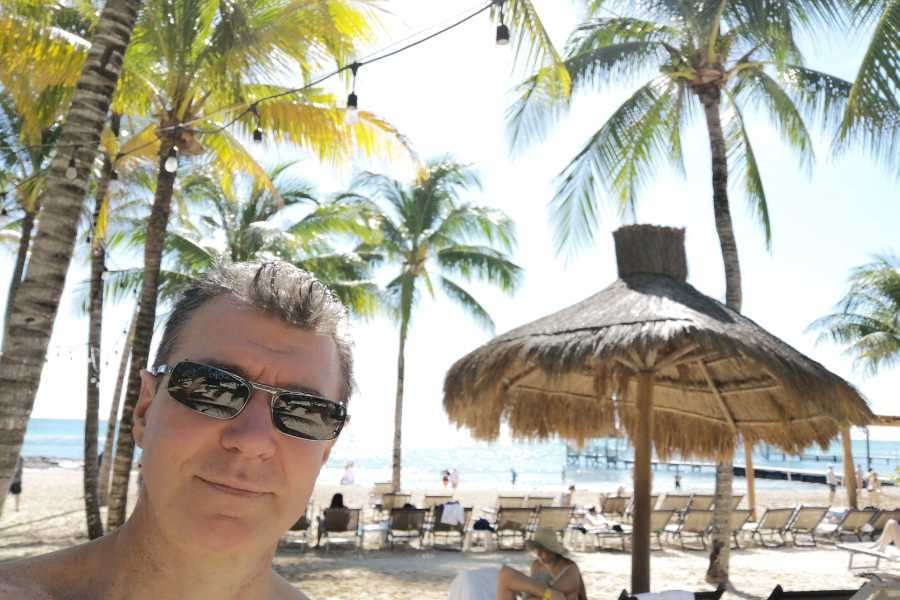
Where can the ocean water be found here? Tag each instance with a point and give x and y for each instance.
(482, 465)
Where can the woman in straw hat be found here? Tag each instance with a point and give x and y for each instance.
(554, 576)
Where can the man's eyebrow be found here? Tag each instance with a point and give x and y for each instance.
(225, 366)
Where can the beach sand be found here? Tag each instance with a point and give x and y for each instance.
(52, 517)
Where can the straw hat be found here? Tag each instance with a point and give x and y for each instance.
(545, 537)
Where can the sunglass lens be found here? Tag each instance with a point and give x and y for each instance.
(308, 417)
(208, 390)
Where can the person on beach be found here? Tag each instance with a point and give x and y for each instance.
(860, 480)
(15, 486)
(513, 476)
(236, 417)
(889, 535)
(831, 481)
(454, 478)
(445, 477)
(874, 486)
(348, 478)
(337, 503)
(677, 481)
(553, 576)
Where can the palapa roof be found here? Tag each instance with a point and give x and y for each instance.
(717, 373)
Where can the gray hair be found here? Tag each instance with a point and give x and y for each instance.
(276, 288)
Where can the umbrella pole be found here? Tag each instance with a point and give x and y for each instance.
(751, 479)
(849, 472)
(640, 531)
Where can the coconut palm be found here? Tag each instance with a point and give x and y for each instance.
(867, 318)
(435, 237)
(705, 56)
(37, 298)
(198, 60)
(873, 105)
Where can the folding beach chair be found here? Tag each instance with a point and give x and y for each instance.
(695, 524)
(432, 501)
(739, 518)
(299, 533)
(805, 523)
(629, 512)
(538, 501)
(447, 531)
(866, 549)
(780, 594)
(853, 523)
(556, 518)
(406, 525)
(614, 506)
(773, 523)
(701, 502)
(881, 520)
(677, 502)
(513, 523)
(510, 502)
(340, 525)
(391, 501)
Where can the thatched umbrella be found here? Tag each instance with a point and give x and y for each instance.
(654, 356)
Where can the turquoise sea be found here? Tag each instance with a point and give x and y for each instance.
(538, 465)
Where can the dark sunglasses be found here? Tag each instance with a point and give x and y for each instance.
(216, 393)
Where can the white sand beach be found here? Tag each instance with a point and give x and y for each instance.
(52, 517)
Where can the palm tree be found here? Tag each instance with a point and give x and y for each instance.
(872, 113)
(37, 298)
(867, 318)
(198, 59)
(705, 55)
(434, 238)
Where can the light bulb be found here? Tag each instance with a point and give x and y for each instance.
(502, 35)
(171, 164)
(351, 116)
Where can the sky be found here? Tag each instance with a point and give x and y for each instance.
(449, 96)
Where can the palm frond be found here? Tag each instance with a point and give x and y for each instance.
(464, 299)
(742, 157)
(481, 262)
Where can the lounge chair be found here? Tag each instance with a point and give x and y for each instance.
(298, 534)
(714, 595)
(406, 525)
(695, 524)
(379, 489)
(773, 523)
(866, 549)
(513, 523)
(538, 501)
(432, 501)
(340, 525)
(779, 594)
(556, 518)
(614, 506)
(853, 523)
(881, 520)
(510, 502)
(391, 501)
(677, 502)
(736, 501)
(448, 531)
(659, 519)
(739, 518)
(805, 523)
(701, 502)
(629, 512)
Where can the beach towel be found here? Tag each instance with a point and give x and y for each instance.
(453, 514)
(667, 595)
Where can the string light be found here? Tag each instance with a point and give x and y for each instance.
(502, 29)
(351, 116)
(257, 133)
(71, 170)
(171, 164)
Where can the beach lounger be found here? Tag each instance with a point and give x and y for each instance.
(445, 530)
(513, 523)
(406, 525)
(676, 502)
(695, 524)
(865, 548)
(538, 501)
(713, 595)
(736, 501)
(659, 519)
(774, 524)
(614, 506)
(701, 502)
(298, 534)
(556, 518)
(853, 523)
(432, 501)
(739, 518)
(340, 525)
(630, 510)
(510, 501)
(805, 523)
(881, 520)
(780, 594)
(391, 501)
(379, 489)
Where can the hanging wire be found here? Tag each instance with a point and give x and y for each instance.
(245, 108)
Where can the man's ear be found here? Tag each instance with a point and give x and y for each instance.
(148, 391)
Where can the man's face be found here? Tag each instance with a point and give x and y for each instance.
(238, 484)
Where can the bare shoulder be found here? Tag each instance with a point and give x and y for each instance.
(49, 576)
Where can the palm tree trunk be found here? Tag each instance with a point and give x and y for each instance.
(19, 269)
(397, 463)
(721, 530)
(37, 299)
(95, 339)
(143, 332)
(106, 462)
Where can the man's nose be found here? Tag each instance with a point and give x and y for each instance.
(251, 433)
